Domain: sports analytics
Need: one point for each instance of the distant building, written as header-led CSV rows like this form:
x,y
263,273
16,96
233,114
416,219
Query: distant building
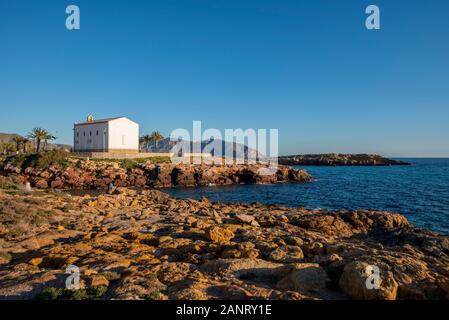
x,y
115,135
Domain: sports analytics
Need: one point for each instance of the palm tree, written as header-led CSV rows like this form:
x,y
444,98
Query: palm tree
x,y
156,136
38,134
48,137
25,143
145,140
7,148
21,143
18,140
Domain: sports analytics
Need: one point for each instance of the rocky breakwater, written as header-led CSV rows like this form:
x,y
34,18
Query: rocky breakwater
x,y
85,174
148,245
334,159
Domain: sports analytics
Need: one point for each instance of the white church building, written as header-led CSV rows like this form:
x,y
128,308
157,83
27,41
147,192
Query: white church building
x,y
115,135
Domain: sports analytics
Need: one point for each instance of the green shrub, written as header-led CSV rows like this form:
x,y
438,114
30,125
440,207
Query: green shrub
x,y
40,160
111,275
128,164
8,183
156,295
97,292
5,257
80,294
49,294
67,294
158,159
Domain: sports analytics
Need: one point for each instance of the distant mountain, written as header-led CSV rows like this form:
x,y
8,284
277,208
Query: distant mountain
x,y
227,148
8,138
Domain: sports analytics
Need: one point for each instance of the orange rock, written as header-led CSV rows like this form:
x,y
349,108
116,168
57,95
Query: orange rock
x,y
92,203
217,234
98,280
36,261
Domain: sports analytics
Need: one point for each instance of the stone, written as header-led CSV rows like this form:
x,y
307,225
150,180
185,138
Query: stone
x,y
313,248
354,283
56,184
286,254
245,218
41,183
98,280
326,259
308,279
36,261
219,235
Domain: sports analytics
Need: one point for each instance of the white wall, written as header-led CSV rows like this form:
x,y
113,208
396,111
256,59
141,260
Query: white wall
x,y
123,134
86,137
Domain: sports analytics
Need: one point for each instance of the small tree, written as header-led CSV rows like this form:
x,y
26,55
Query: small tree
x,y
25,144
18,141
48,137
145,140
7,148
156,136
39,134
21,143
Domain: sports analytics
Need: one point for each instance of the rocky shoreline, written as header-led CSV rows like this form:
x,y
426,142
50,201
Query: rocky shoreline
x,y
85,174
339,160
148,245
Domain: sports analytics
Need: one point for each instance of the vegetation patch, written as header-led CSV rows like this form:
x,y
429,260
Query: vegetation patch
x,y
128,163
111,276
40,160
52,293
5,257
156,295
9,183
158,159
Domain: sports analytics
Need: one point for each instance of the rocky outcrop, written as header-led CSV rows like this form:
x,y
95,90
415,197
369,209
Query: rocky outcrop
x,y
355,281
334,159
84,174
147,245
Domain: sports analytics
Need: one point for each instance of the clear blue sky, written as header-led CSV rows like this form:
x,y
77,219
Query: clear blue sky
x,y
308,68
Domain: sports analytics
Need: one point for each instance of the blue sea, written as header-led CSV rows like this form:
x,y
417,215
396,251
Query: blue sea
x,y
419,191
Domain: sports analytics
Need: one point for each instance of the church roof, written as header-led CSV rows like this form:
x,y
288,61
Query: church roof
x,y
100,121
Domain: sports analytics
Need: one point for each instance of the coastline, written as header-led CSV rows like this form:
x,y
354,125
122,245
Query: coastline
x,y
148,245
75,174
335,159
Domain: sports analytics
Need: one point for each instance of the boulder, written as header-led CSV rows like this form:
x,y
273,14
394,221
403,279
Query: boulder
x,y
308,279
354,282
41,183
219,235
246,268
286,254
98,280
